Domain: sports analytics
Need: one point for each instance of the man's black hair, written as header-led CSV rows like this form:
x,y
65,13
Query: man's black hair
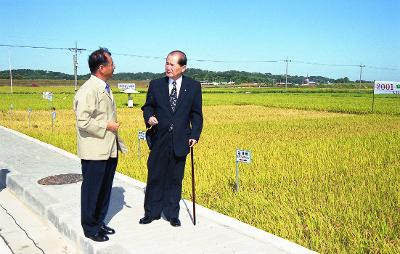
x,y
98,58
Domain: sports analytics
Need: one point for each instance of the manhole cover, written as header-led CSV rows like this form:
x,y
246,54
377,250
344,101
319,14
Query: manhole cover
x,y
60,179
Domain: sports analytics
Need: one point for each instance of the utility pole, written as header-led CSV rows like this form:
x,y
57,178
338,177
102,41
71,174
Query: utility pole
x,y
75,63
75,57
11,81
287,63
361,66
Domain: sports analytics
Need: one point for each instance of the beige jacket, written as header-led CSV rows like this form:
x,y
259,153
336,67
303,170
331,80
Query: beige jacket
x,y
94,108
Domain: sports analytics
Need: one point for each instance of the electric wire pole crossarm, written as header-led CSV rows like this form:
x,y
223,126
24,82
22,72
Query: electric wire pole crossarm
x,y
75,64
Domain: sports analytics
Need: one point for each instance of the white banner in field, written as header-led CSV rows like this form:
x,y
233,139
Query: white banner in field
x,y
243,156
386,87
48,96
124,86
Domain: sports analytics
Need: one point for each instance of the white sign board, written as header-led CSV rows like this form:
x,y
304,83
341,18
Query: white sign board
x,y
386,87
124,86
243,156
48,96
141,135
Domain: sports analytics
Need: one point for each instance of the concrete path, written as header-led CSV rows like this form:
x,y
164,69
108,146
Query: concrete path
x,y
4,249
24,161
25,232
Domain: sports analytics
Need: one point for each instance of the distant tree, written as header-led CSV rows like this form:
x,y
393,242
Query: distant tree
x,y
201,75
342,80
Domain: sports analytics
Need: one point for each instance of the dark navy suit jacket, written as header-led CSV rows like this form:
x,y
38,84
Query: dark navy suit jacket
x,y
187,119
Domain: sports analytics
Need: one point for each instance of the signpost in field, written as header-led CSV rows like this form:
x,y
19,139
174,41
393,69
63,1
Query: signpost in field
x,y
243,156
53,118
141,136
48,96
29,117
129,89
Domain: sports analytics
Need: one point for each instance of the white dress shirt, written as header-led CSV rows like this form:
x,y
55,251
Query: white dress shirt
x,y
178,85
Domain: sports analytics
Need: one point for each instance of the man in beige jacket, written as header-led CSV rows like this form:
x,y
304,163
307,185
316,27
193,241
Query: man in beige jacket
x,y
98,144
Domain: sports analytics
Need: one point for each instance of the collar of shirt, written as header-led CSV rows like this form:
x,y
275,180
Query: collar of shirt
x,y
104,84
178,85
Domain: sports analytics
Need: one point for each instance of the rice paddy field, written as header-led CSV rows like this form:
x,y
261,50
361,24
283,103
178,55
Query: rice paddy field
x,y
325,171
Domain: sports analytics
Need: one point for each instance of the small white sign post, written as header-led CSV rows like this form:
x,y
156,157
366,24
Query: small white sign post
x,y
129,89
48,96
129,92
243,156
53,118
29,117
141,136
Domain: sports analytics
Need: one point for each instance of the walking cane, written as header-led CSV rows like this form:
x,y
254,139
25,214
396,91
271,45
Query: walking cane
x,y
193,189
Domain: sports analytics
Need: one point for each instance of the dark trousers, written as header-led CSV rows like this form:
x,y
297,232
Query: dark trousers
x,y
98,176
164,180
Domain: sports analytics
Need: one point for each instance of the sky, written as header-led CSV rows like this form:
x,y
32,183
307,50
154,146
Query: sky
x,y
317,37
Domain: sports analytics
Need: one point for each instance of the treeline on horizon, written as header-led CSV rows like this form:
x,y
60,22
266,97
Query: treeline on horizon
x,y
198,74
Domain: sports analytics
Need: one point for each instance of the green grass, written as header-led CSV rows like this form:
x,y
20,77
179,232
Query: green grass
x,y
359,102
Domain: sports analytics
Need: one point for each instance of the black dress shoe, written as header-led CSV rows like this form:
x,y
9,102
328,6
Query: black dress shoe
x,y
147,219
107,230
175,222
99,237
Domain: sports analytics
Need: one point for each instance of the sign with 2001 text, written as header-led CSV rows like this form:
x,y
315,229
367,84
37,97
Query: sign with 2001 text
x,y
386,87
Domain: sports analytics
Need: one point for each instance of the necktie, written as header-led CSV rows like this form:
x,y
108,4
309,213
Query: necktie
x,y
107,88
173,96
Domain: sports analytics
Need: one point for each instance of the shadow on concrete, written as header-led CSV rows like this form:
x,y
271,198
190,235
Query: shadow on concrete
x,y
188,211
3,178
117,202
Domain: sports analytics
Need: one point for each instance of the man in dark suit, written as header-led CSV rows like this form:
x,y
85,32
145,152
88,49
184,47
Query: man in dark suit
x,y
173,108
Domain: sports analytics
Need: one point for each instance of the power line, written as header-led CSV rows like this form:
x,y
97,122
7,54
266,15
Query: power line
x,y
207,60
137,56
36,47
326,64
383,68
201,60
348,65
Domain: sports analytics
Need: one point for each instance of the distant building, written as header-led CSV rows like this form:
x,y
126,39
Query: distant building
x,y
308,82
206,82
283,83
